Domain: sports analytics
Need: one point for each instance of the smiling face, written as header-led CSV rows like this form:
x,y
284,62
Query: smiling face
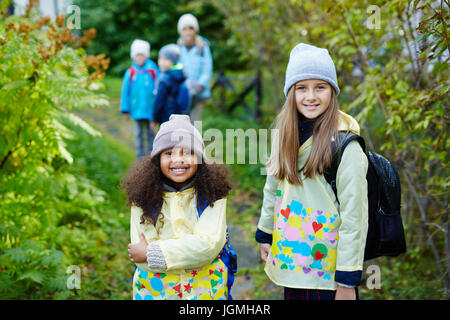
x,y
178,164
312,97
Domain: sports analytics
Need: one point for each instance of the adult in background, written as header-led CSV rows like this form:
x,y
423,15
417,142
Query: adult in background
x,y
195,56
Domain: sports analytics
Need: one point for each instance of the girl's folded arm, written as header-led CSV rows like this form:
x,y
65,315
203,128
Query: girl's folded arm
x,y
193,250
136,229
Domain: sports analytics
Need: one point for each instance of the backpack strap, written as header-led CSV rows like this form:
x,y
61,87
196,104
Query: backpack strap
x,y
201,208
134,71
152,73
339,144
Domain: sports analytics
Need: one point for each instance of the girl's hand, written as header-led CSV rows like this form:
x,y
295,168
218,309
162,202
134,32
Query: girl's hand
x,y
138,251
344,293
264,249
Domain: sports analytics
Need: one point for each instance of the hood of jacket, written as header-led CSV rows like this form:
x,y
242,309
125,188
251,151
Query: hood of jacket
x,y
175,75
347,122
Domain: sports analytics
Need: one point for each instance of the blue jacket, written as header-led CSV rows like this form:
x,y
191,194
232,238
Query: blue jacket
x,y
172,96
138,94
198,65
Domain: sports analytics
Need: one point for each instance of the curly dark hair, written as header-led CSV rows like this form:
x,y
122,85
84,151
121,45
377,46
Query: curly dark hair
x,y
143,186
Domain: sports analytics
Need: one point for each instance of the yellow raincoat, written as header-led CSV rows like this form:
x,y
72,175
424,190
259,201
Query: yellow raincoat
x,y
190,246
314,235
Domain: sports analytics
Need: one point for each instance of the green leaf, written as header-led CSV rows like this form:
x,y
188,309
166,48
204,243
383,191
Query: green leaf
x,y
33,275
83,124
14,85
53,258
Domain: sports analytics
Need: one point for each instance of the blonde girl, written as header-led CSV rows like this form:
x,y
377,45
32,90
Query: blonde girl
x,y
312,244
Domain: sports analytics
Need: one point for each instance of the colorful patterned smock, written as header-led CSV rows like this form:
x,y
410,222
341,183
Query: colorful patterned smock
x,y
190,246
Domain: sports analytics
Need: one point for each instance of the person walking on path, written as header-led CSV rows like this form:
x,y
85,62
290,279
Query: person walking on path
x,y
137,95
173,94
176,250
197,61
312,244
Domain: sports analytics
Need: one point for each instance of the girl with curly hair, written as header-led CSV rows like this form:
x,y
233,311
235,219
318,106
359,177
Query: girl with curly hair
x,y
176,252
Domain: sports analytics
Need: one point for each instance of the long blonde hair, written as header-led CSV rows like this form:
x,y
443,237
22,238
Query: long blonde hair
x,y
283,161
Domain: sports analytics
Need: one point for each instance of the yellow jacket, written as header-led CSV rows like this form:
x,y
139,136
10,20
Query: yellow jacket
x,y
189,245
314,235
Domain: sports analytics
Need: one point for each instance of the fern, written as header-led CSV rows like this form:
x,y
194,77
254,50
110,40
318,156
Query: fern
x,y
50,218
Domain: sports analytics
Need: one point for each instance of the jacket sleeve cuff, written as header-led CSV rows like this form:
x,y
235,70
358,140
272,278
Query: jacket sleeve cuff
x,y
263,237
344,285
155,257
349,279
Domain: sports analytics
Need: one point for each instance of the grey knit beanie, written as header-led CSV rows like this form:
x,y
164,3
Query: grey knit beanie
x,y
179,132
171,52
310,62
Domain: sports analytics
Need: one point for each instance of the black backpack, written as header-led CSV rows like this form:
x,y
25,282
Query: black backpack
x,y
385,235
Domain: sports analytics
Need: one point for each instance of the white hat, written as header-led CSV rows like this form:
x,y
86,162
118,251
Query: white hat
x,y
140,47
188,20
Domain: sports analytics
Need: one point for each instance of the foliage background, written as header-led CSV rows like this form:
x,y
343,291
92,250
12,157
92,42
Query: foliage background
x,y
119,22
59,201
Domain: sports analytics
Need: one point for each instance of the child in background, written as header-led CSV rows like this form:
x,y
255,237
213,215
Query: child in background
x,y
173,94
313,245
175,250
138,95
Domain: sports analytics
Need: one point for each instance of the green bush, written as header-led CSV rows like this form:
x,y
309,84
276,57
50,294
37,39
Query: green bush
x,y
56,210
